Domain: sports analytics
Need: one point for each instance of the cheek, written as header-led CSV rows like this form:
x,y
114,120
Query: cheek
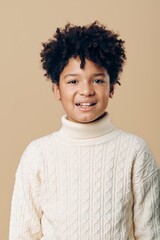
x,y
67,95
104,94
69,92
105,98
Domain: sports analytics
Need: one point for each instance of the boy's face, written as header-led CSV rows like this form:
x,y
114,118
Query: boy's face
x,y
84,93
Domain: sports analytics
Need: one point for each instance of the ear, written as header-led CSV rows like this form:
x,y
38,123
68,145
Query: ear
x,y
112,87
56,91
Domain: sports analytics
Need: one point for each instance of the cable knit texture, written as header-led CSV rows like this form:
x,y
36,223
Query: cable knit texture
x,y
86,182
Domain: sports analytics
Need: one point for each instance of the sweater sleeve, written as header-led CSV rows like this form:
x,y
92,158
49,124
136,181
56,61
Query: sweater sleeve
x,y
25,220
146,190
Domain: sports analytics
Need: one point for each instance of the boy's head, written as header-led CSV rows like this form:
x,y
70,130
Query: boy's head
x,y
84,64
93,42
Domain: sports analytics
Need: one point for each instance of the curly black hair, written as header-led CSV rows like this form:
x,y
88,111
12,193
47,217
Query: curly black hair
x,y
93,42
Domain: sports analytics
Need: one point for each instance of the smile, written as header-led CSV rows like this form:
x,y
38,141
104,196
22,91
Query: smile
x,y
85,104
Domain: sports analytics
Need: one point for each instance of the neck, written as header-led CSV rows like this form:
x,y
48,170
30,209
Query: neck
x,y
97,128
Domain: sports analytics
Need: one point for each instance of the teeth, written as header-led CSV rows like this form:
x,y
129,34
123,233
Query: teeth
x,y
85,104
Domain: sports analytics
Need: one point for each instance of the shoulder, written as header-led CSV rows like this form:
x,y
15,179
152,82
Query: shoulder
x,y
139,147
36,144
137,143
33,155
144,163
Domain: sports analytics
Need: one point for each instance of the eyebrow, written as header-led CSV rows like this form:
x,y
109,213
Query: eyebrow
x,y
99,74
71,75
93,75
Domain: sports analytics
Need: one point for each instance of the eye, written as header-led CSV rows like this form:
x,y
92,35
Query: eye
x,y
72,82
99,81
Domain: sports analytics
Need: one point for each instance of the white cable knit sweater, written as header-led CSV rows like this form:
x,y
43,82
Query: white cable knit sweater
x,y
86,182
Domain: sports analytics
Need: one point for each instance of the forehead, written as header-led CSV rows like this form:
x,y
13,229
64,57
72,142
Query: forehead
x,y
73,67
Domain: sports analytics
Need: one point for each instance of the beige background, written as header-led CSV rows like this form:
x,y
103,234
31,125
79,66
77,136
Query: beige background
x,y
27,106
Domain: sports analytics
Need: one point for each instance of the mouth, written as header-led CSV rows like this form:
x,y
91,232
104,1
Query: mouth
x,y
85,104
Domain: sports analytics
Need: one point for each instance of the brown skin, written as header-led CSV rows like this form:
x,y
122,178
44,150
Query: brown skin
x,y
84,93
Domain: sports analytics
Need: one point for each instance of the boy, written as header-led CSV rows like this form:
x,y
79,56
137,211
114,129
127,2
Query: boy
x,y
89,180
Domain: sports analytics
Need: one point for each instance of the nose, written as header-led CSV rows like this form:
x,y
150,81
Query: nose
x,y
86,90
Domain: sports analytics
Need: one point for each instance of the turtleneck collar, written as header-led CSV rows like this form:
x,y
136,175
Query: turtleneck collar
x,y
94,129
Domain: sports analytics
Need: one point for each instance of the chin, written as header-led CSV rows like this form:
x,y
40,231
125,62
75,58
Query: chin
x,y
81,120
86,119
89,120
95,118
